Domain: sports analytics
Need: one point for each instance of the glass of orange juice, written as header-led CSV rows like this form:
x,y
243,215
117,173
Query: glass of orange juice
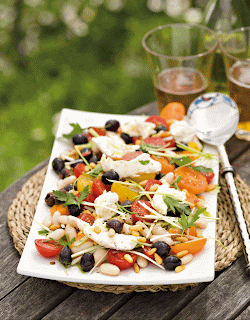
x,y
180,57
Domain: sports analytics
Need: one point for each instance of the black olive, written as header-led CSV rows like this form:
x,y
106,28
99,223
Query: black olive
x,y
111,175
112,125
159,176
58,164
74,210
160,127
87,261
50,199
68,188
162,247
126,137
79,138
171,262
65,256
93,159
127,205
75,163
115,224
86,153
64,173
179,148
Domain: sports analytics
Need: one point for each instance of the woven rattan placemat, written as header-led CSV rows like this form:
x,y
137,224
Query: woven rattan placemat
x,y
22,210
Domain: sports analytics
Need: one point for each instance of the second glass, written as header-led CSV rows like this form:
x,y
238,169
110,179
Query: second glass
x,y
180,57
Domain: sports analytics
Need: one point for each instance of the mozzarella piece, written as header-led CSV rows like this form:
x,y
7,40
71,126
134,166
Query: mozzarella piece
x,y
113,146
119,241
137,128
182,131
133,167
158,202
107,199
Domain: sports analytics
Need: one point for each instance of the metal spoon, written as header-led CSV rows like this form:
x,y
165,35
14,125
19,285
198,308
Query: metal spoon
x,y
215,117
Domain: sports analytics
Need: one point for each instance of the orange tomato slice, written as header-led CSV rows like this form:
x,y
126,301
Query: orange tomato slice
x,y
59,207
123,191
165,166
192,246
173,111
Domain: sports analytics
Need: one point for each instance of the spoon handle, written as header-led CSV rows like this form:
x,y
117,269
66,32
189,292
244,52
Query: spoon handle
x,y
227,171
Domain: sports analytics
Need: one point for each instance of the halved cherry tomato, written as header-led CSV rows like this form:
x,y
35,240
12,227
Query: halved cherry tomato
x,y
100,131
87,217
209,176
117,258
191,180
192,246
170,143
48,248
90,197
155,141
131,155
79,169
192,198
134,139
139,211
146,249
173,111
150,183
165,166
98,187
157,120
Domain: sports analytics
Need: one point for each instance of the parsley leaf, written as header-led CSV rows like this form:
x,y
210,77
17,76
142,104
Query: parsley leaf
x,y
144,162
187,221
70,198
64,241
174,204
202,169
184,161
96,171
175,183
76,129
148,147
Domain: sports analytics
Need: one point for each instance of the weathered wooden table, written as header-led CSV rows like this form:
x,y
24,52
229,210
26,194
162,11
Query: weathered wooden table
x,y
21,297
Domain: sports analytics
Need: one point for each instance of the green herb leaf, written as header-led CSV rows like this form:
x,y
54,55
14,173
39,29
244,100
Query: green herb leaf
x,y
96,171
174,204
64,241
187,221
202,169
70,198
44,232
148,147
184,161
144,162
76,129
175,183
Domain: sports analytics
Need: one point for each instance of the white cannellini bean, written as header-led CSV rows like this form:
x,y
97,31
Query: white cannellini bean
x,y
63,219
125,229
70,231
169,178
73,221
157,229
128,218
142,262
57,234
55,217
109,269
66,182
100,254
168,240
47,221
83,246
201,223
187,258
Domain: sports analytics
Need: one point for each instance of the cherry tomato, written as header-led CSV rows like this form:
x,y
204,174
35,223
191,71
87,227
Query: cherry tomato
x,y
157,120
98,187
150,183
170,143
173,110
209,176
131,155
155,141
191,180
79,169
145,250
134,139
101,132
139,211
87,217
48,248
117,258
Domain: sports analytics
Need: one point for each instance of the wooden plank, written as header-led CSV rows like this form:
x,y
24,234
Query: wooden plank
x,y
159,305
242,166
33,299
224,298
244,315
88,305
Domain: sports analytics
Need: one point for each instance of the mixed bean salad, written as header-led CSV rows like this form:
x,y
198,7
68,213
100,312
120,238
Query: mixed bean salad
x,y
129,195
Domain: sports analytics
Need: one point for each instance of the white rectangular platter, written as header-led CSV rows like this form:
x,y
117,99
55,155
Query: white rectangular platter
x,y
200,269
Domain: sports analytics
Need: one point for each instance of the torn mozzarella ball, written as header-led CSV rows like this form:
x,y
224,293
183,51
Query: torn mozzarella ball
x,y
137,128
182,131
107,199
141,164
